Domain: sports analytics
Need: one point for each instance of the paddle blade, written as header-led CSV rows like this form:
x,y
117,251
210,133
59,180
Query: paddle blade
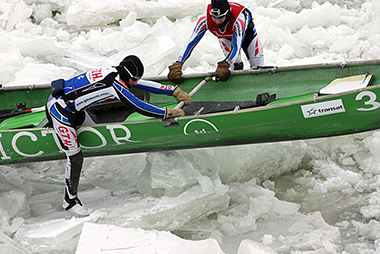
x,y
341,85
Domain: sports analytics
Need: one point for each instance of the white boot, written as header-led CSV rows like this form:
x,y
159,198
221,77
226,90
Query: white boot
x,y
76,207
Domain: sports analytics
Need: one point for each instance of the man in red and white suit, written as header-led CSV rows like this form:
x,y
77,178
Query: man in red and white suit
x,y
233,24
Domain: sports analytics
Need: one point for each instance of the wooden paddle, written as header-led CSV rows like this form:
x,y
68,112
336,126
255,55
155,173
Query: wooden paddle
x,y
171,121
195,90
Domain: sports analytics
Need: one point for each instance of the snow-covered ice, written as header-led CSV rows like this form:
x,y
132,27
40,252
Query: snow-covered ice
x,y
308,196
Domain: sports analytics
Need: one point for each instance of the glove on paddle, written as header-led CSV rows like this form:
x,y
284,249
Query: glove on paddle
x,y
175,73
174,112
223,71
180,95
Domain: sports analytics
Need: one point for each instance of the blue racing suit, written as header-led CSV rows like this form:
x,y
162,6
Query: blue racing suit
x,y
67,111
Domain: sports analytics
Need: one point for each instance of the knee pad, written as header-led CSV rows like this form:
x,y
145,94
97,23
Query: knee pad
x,y
238,66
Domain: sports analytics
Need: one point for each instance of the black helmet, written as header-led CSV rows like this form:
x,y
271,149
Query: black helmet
x,y
130,68
219,9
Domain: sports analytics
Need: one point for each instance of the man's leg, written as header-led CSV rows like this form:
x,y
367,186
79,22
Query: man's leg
x,y
226,45
69,141
72,175
255,53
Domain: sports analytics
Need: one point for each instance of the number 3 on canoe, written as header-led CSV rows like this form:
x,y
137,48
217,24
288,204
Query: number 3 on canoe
x,y
372,100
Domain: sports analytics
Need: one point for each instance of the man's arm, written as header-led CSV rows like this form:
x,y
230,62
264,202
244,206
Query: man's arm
x,y
131,101
198,32
155,87
175,70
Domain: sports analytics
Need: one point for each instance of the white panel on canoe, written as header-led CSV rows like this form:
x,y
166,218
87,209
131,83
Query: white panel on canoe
x,y
340,85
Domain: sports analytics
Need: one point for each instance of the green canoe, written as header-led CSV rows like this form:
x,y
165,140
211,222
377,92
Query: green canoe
x,y
254,106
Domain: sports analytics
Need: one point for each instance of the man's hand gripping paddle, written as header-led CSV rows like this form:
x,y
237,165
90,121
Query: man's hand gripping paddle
x,y
171,121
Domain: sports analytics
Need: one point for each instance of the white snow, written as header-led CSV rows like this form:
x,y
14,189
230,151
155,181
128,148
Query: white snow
x,y
308,196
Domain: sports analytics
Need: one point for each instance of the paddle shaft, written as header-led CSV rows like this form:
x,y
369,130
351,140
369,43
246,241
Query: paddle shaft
x,y
194,91
16,113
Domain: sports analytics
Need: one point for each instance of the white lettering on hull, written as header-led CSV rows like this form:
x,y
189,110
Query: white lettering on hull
x,y
44,133
32,137
117,140
4,155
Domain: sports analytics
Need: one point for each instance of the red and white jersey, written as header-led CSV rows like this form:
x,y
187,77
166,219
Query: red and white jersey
x,y
236,24
234,31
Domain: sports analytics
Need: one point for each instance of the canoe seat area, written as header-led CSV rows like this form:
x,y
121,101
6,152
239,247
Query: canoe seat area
x,y
109,112
206,107
115,111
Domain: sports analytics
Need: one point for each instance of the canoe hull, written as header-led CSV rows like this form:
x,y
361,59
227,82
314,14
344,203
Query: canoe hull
x,y
324,116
